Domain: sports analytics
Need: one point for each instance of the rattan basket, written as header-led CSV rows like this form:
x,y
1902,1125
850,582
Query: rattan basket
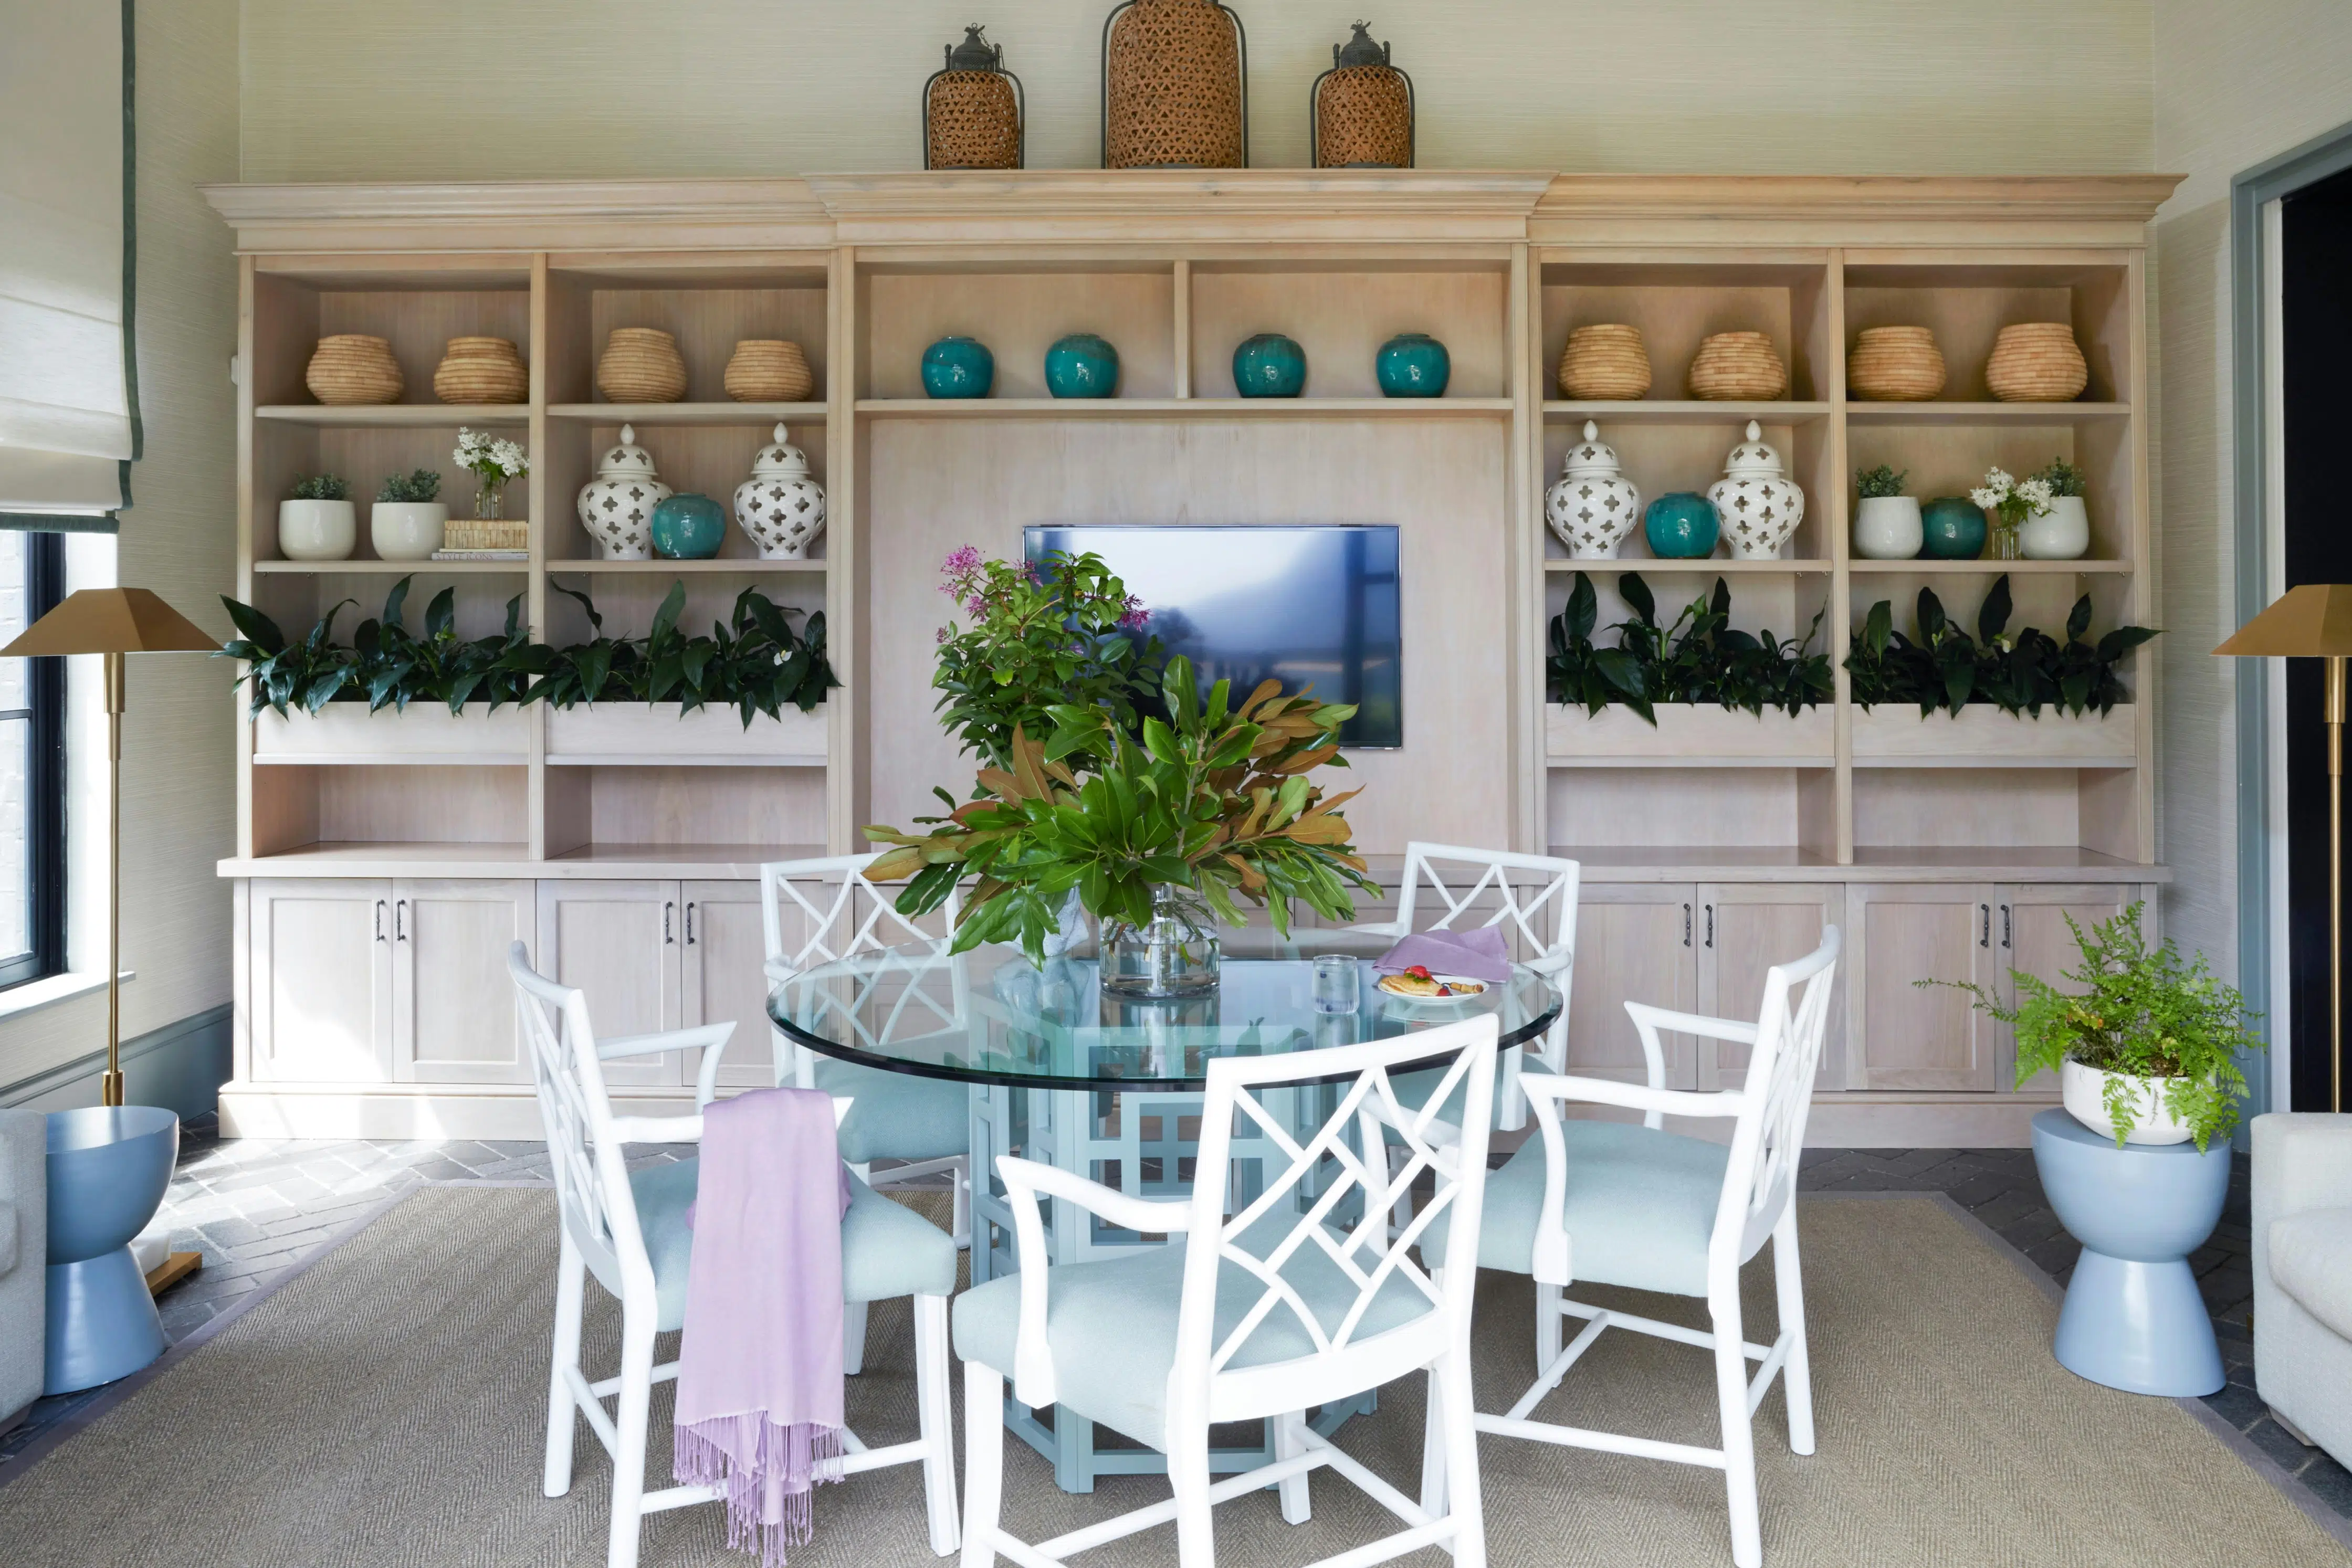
x,y
1737,365
641,364
767,369
971,120
1363,118
1895,364
354,368
1604,363
481,370
1172,87
2036,361
476,533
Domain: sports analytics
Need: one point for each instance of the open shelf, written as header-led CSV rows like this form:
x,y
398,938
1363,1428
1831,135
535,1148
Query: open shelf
x,y
659,413
691,568
391,568
1984,412
1653,565
397,415
1673,410
2086,567
1188,408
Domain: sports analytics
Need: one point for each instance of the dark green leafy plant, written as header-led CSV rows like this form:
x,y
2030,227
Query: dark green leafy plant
x,y
1948,669
424,484
753,662
1700,658
2062,477
2138,1013
1879,482
1215,798
305,674
319,487
386,664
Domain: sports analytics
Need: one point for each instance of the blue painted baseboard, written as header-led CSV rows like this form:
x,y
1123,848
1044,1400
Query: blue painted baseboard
x,y
180,1067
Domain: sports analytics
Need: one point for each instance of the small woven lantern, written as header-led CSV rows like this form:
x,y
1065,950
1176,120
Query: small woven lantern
x,y
1360,111
1175,86
973,110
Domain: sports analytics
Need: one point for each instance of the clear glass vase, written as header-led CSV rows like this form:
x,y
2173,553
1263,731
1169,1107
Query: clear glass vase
x,y
1174,956
487,496
2004,543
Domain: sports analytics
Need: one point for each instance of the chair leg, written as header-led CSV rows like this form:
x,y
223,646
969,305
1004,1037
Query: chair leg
x,y
1510,1102
937,1425
1458,1417
1738,1438
1297,1509
629,1427
1188,1478
1797,1371
1432,1447
562,1410
960,1220
1548,1337
983,1462
853,1338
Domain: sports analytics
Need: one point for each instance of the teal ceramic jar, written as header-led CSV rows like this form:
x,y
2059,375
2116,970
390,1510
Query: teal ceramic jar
x,y
1082,365
1413,364
959,367
689,527
1270,365
1681,527
1955,528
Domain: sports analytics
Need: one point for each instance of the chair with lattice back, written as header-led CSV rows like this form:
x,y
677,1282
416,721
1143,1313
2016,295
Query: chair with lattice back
x,y
1263,1313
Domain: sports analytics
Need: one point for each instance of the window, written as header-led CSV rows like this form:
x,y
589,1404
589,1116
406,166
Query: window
x,y
32,766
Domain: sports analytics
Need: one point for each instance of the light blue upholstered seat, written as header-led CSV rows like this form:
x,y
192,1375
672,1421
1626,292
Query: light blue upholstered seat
x,y
887,1248
896,1115
1640,1207
1112,1323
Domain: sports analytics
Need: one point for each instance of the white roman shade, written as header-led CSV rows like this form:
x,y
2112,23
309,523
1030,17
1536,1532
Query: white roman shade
x,y
69,402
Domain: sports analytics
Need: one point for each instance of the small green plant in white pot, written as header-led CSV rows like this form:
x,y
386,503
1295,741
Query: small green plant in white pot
x,y
315,522
2145,1051
2063,532
1886,521
406,522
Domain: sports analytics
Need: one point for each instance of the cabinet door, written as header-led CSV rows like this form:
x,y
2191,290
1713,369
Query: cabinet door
x,y
723,978
618,941
2029,934
1635,942
321,981
453,1003
1745,928
1909,1036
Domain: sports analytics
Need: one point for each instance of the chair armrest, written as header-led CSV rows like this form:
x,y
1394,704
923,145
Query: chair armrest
x,y
1648,1020
655,1129
711,1038
1033,1356
1546,1089
1550,963
1381,929
777,972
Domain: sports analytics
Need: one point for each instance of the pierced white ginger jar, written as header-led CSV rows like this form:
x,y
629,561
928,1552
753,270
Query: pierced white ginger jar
x,y
1759,504
616,506
780,507
1594,506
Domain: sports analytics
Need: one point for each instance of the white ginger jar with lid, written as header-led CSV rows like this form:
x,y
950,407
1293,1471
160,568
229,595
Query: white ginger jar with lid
x,y
780,507
616,506
1759,504
1594,506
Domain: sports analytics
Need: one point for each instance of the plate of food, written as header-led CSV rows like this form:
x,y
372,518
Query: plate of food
x,y
1419,987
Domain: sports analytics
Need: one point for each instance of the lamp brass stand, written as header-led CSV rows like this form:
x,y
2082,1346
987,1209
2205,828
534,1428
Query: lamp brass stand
x,y
113,621
2314,622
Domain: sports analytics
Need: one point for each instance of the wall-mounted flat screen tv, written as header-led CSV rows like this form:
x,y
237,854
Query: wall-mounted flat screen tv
x,y
1310,606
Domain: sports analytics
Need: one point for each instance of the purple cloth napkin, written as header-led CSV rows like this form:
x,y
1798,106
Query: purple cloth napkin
x,y
759,1373
1474,955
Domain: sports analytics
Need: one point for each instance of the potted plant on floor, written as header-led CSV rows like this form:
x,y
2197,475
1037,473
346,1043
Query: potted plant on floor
x,y
2146,1049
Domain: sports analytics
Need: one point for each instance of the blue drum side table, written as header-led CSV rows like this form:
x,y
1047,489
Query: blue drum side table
x,y
108,1168
2133,1318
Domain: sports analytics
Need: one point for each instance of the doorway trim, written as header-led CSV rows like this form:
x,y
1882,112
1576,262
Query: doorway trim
x,y
2257,483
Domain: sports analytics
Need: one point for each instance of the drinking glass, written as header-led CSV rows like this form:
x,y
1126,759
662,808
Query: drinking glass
x,y
1335,983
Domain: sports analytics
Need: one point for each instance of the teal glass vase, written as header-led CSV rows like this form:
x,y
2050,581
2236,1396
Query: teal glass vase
x,y
689,527
1413,364
1082,365
1270,365
1955,528
1681,527
958,367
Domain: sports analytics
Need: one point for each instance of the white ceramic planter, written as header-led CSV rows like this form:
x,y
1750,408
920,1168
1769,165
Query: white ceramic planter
x,y
317,530
655,734
1984,736
427,732
1688,733
2062,533
1887,527
2085,1089
406,530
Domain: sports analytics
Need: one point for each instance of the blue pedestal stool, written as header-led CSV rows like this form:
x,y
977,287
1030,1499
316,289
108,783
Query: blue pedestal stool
x,y
2133,1318
108,1168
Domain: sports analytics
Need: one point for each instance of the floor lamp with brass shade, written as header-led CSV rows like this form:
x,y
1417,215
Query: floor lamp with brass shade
x,y
2314,622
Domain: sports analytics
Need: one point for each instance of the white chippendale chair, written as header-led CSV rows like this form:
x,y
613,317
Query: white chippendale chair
x,y
628,1228
1621,1203
1267,1313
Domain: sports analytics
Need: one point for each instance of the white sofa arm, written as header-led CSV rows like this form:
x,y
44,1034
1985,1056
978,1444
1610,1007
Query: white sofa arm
x,y
23,1248
2301,1161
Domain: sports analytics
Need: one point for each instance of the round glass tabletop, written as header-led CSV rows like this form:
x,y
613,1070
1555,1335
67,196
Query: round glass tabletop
x,y
990,1016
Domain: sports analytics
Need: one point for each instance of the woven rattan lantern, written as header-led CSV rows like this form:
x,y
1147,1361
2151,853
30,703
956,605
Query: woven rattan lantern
x,y
1175,86
1360,111
973,110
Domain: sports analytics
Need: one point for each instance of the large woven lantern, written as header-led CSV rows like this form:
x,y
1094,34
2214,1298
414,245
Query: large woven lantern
x,y
1175,86
1360,111
973,110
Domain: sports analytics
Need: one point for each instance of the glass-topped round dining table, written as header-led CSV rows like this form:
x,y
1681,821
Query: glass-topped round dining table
x,y
1061,1072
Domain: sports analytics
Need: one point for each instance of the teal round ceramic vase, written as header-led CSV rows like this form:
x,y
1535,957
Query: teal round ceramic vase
x,y
1270,365
1082,365
689,527
1413,364
1955,528
1681,527
958,367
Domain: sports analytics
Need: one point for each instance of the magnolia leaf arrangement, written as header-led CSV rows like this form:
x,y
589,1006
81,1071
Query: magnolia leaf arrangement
x,y
2137,1013
1700,658
1948,669
1216,798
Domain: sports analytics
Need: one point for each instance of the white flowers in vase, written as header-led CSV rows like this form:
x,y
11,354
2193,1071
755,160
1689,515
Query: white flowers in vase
x,y
2010,500
494,460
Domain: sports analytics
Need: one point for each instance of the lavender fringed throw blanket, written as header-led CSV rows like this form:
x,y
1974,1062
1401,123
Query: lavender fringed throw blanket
x,y
759,1376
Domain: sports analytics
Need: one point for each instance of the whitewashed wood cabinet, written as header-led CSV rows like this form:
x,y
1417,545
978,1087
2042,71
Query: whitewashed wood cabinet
x,y
723,978
620,942
321,1006
453,1008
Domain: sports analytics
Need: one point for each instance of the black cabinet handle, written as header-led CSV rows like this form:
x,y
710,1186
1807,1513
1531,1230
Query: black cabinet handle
x,y
690,923
1710,926
379,919
1984,938
1686,926
2004,926
667,910
400,920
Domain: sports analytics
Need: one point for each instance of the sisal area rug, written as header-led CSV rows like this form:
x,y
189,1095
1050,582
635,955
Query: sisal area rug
x,y
385,1410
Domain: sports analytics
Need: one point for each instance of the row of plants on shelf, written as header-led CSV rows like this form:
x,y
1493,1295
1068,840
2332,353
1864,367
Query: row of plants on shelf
x,y
1699,658
753,662
1948,669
